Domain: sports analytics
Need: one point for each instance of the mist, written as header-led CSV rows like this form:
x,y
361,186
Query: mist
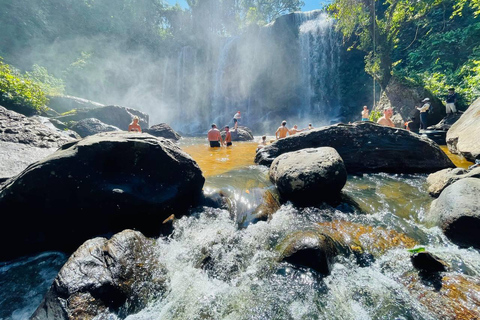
x,y
200,73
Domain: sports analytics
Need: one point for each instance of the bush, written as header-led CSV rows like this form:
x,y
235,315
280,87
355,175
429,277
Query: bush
x,y
19,92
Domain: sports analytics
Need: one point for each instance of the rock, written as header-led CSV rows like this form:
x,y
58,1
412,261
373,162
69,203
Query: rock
x,y
91,126
309,175
308,249
427,262
438,181
117,116
463,136
64,103
17,128
25,140
101,184
457,212
403,97
120,275
163,130
241,134
446,123
366,147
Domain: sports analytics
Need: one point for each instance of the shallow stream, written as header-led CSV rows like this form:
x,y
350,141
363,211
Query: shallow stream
x,y
244,279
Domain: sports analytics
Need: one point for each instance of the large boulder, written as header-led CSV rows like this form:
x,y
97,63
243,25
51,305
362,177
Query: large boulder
x,y
98,185
309,175
64,103
366,147
163,130
91,126
463,136
403,97
241,134
117,116
438,181
457,212
24,140
119,275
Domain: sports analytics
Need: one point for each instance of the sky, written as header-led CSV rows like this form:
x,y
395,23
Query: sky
x,y
309,4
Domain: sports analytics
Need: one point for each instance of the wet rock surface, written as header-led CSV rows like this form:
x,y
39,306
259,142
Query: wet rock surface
x,y
98,185
366,147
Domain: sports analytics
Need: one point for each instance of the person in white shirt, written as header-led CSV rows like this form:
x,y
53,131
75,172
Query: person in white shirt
x,y
424,113
236,117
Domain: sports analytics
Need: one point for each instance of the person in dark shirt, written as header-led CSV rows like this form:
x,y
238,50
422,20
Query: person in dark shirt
x,y
450,102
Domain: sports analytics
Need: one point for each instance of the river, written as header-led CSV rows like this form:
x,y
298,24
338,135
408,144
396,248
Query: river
x,y
244,280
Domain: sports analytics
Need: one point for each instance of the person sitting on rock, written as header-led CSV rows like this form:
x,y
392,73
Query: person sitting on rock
x,y
282,130
262,142
295,130
385,120
134,126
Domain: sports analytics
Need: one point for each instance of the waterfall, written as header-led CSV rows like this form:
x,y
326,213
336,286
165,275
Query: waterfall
x,y
320,60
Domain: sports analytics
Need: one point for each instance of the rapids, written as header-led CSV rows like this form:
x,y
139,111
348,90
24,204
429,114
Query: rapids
x,y
242,279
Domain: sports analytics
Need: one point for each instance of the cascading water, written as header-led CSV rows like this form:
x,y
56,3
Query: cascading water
x,y
288,69
320,56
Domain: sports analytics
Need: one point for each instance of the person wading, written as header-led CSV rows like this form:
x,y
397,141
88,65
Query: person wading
x,y
214,137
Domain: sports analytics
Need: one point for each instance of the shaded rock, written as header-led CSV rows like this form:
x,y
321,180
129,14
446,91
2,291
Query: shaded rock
x,y
91,126
25,140
163,130
446,123
457,212
427,262
308,249
101,184
117,116
463,136
403,97
64,103
120,275
438,181
309,175
366,147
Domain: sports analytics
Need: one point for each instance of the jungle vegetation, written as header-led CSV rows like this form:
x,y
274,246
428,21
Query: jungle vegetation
x,y
431,42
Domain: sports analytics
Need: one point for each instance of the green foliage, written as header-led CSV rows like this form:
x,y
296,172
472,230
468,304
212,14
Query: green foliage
x,y
18,90
48,83
416,250
375,115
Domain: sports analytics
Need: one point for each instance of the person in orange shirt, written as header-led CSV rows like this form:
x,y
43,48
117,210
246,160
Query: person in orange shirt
x,y
134,126
214,137
228,136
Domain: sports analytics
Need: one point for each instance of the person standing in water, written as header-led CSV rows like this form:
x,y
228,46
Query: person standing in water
x,y
134,126
236,117
228,136
365,113
214,137
282,130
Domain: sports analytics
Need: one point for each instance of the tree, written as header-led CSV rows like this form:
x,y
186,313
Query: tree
x,y
374,26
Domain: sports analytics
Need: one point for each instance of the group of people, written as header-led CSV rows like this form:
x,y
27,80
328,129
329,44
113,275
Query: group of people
x,y
424,109
283,130
215,137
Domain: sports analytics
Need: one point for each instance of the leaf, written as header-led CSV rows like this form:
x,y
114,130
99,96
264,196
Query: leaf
x,y
416,250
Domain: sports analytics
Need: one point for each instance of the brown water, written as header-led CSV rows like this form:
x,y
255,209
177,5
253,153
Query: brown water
x,y
457,160
216,161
